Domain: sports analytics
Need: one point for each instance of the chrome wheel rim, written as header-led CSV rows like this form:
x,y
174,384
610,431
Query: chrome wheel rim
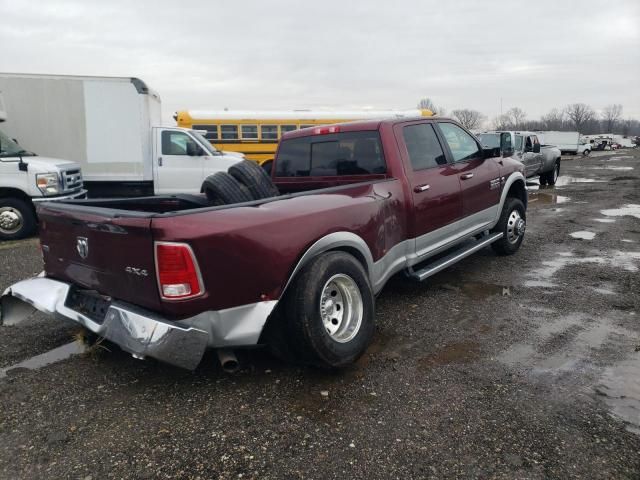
x,y
515,226
10,220
341,308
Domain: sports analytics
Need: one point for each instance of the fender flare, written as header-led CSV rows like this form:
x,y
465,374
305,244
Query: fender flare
x,y
334,241
511,179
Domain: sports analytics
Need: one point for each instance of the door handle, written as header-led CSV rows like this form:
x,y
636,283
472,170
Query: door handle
x,y
159,161
421,188
466,176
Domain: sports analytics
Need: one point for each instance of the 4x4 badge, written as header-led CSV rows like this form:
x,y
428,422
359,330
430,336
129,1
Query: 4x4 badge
x,y
82,246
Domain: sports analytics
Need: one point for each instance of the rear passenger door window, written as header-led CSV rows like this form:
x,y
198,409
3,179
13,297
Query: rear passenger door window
x,y
423,146
463,146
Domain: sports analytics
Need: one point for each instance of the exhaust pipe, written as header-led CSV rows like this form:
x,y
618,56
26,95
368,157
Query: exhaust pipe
x,y
228,360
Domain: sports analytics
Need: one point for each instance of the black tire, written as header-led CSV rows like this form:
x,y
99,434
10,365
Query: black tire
x,y
17,219
307,338
507,245
552,176
254,177
222,189
586,153
543,179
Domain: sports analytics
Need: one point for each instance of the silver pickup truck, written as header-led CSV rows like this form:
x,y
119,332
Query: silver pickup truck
x,y
542,160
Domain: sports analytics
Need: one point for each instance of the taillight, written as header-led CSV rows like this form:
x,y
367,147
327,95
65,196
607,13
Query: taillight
x,y
177,271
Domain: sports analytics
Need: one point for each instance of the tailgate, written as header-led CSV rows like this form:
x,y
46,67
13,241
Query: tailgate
x,y
95,249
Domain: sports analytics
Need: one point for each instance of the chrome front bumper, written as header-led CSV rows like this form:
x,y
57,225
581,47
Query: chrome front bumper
x,y
136,331
71,196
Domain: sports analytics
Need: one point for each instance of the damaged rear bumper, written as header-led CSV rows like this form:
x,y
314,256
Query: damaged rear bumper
x,y
137,331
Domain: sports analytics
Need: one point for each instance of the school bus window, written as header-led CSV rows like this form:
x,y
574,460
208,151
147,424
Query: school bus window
x,y
212,131
229,132
269,132
286,128
249,132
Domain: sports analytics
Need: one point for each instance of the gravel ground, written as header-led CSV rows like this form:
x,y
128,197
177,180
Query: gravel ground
x,y
518,367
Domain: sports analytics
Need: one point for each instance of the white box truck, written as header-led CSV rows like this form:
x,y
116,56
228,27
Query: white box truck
x,y
25,179
111,127
568,142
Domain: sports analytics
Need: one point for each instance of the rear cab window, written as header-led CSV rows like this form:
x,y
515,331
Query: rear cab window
x,y
331,155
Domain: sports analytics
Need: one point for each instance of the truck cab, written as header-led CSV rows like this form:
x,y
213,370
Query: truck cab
x,y
183,159
538,160
26,179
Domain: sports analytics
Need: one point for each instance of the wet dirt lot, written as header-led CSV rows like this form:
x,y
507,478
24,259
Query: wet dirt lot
x,y
518,367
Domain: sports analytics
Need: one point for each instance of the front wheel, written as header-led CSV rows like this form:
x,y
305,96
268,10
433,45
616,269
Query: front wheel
x,y
17,219
512,224
329,312
586,153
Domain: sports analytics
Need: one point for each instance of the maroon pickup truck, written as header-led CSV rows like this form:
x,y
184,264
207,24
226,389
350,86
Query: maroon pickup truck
x,y
348,206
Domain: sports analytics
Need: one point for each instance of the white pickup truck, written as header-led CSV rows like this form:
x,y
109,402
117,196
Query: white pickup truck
x,y
26,178
538,160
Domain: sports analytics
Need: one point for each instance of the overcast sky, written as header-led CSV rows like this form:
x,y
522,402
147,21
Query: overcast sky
x,y
276,54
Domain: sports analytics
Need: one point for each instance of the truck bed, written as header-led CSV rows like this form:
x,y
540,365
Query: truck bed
x,y
263,237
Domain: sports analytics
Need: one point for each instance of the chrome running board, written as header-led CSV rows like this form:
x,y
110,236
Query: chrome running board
x,y
463,251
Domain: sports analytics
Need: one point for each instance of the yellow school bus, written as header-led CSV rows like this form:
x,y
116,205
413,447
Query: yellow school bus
x,y
256,133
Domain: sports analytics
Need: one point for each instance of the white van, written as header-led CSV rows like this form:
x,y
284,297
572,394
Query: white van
x,y
568,142
110,126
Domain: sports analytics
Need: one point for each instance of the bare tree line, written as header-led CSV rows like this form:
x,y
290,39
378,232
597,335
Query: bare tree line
x,y
573,117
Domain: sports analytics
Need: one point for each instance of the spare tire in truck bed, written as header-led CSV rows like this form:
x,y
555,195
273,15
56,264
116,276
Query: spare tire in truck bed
x,y
254,177
222,189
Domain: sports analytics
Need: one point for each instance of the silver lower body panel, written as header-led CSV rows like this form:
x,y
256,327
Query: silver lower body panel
x,y
138,331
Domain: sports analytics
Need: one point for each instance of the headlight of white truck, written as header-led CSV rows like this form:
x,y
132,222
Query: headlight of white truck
x,y
48,183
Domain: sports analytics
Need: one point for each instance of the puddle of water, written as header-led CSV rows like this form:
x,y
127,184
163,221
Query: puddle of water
x,y
565,344
547,198
603,291
619,157
539,284
620,388
462,352
564,180
626,240
626,260
611,167
605,220
542,276
47,358
583,235
631,210
478,290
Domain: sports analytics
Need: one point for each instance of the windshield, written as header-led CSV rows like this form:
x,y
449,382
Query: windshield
x,y
204,142
9,148
489,140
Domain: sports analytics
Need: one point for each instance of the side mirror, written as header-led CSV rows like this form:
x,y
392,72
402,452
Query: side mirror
x,y
490,152
536,148
193,150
